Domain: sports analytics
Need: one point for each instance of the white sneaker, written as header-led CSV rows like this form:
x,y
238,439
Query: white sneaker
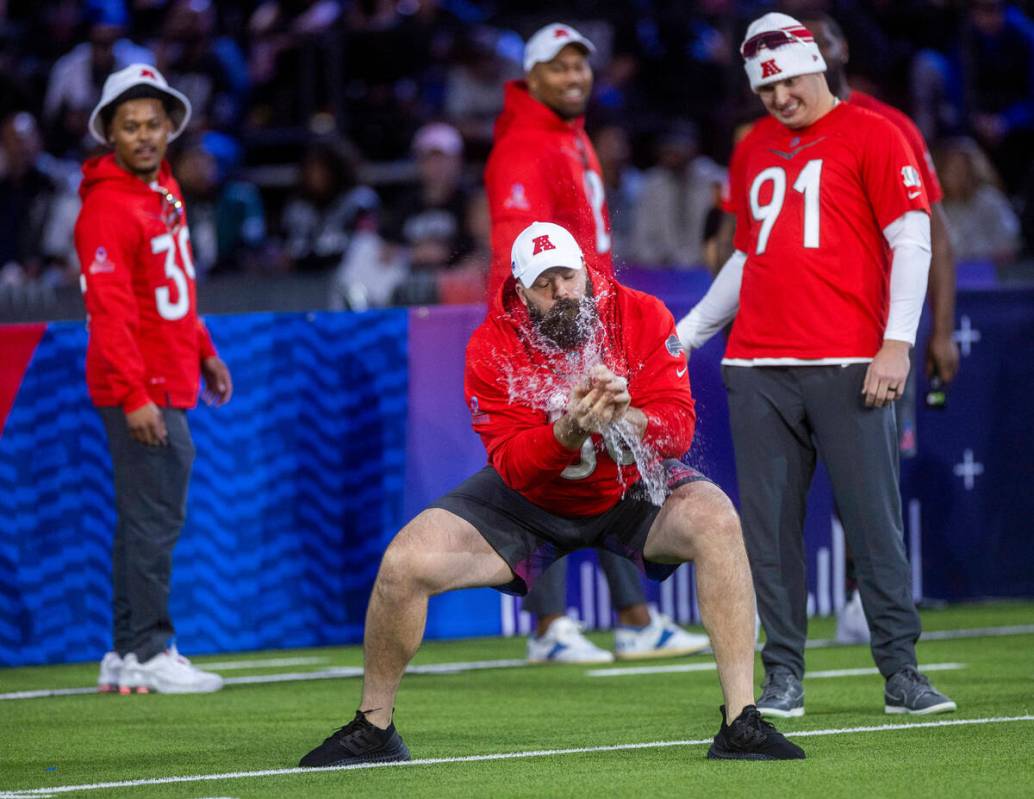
x,y
563,642
661,638
167,672
111,671
852,628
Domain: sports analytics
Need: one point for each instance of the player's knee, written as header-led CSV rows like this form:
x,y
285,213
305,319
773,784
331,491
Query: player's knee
x,y
400,567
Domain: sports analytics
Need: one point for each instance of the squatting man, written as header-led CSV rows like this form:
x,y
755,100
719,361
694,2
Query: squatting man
x,y
577,387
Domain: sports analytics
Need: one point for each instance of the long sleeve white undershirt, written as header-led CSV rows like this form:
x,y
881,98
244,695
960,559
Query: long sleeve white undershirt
x,y
909,240
717,308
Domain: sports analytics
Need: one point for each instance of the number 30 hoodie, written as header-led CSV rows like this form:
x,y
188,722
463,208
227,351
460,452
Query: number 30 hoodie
x,y
146,342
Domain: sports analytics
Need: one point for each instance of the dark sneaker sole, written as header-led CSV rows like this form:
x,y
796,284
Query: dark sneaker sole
x,y
714,753
940,707
779,713
399,755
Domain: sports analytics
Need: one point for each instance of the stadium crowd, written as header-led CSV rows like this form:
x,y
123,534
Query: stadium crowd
x,y
348,139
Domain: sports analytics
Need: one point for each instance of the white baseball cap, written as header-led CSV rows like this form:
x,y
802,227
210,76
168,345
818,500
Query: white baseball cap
x,y
118,83
546,42
777,47
541,246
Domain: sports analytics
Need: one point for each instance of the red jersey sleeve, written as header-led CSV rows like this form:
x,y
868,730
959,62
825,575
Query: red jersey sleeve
x,y
890,172
927,170
206,349
105,249
660,386
518,195
519,440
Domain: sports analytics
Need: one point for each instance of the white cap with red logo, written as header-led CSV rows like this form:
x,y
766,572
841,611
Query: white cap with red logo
x,y
118,83
541,246
546,42
777,47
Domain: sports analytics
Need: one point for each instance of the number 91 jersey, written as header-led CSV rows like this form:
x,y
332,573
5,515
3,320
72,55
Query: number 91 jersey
x,y
137,274
811,205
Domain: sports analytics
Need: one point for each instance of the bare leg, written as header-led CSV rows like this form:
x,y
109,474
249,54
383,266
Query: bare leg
x,y
699,523
434,553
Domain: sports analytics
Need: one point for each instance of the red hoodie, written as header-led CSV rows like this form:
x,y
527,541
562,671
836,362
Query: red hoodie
x,y
543,168
146,341
515,389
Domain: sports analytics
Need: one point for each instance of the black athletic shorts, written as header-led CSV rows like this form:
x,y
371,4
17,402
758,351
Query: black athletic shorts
x,y
530,538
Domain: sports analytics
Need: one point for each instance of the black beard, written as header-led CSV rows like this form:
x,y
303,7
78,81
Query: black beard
x,y
569,323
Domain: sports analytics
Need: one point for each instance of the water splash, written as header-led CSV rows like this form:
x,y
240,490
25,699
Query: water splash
x,y
547,387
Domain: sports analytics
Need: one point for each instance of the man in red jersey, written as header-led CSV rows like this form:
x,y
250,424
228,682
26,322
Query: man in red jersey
x,y
577,387
146,351
942,354
543,166
826,284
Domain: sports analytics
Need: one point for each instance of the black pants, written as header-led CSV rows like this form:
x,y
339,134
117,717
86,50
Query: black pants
x,y
549,595
151,503
782,418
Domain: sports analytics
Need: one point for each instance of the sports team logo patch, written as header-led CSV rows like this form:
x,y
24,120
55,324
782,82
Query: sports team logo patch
x,y
674,346
100,262
910,177
518,200
769,68
477,416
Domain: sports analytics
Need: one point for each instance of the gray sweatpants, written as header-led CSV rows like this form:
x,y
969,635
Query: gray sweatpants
x,y
782,417
548,596
151,503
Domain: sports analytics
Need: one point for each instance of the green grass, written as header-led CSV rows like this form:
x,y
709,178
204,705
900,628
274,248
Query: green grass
x,y
66,741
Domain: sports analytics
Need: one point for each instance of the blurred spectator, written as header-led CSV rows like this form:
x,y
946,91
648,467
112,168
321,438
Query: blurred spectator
x,y
429,217
984,86
676,198
327,208
209,69
282,34
37,207
984,227
622,185
368,274
75,81
227,221
467,282
482,62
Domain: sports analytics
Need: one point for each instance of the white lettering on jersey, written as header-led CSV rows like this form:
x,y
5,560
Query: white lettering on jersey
x,y
167,309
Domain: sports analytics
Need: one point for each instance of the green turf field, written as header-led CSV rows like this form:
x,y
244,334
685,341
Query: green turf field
x,y
61,745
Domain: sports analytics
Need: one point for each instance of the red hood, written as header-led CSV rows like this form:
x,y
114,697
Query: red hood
x,y
522,110
104,172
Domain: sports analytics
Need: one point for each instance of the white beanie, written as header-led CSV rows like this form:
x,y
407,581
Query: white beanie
x,y
777,47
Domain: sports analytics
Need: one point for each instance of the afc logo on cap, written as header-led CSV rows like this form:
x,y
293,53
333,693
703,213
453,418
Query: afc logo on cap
x,y
542,243
769,68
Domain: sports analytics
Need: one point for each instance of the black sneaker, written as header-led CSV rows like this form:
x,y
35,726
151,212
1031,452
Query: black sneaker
x,y
909,691
358,742
750,737
782,695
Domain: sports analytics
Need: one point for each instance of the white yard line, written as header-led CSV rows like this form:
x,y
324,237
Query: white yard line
x,y
267,663
633,671
437,761
456,668
336,673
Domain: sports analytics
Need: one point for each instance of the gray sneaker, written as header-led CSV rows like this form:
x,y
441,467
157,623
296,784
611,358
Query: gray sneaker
x,y
782,695
908,691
